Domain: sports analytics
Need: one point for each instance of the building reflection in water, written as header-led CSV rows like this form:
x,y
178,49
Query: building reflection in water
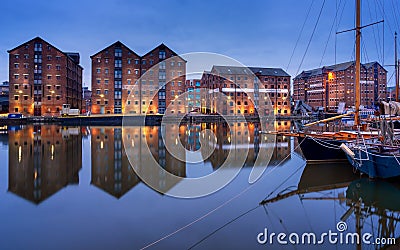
x,y
111,170
3,135
43,160
242,137
146,147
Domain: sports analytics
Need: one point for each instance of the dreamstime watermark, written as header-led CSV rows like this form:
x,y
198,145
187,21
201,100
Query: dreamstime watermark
x,y
339,236
162,90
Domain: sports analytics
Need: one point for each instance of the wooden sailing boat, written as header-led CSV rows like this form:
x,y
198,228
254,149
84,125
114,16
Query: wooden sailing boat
x,y
379,157
326,146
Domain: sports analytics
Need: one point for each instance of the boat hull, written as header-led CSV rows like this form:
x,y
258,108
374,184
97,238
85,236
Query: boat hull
x,y
317,150
375,165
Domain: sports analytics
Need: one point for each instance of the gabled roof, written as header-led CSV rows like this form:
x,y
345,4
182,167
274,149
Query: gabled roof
x,y
241,70
231,70
163,46
116,43
269,71
334,68
71,55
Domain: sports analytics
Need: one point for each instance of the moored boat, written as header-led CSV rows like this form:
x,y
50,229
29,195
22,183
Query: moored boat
x,y
374,159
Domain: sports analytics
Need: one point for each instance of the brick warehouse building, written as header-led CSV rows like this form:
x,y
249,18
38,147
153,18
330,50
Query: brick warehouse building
x,y
193,88
116,69
43,78
246,93
330,85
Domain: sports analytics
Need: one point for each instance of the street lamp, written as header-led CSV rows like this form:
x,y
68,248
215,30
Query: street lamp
x,y
20,92
52,97
102,110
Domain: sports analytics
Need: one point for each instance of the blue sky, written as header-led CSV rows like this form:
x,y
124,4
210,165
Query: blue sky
x,y
256,33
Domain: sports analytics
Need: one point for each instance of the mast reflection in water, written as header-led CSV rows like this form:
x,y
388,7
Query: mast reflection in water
x,y
80,182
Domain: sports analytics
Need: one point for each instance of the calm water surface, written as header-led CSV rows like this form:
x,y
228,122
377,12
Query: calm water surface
x,y
74,188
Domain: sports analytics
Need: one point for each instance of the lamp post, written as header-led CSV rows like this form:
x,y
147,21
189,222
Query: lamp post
x,y
52,98
20,92
102,108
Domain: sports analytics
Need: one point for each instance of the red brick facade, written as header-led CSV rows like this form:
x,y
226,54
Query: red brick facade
x,y
138,77
43,78
328,86
245,95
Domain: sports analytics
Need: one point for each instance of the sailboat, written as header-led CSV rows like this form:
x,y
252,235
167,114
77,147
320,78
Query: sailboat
x,y
326,146
379,157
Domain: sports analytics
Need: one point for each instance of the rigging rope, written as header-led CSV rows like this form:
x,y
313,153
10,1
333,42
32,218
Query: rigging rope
x,y
312,35
301,32
221,227
330,33
327,144
220,206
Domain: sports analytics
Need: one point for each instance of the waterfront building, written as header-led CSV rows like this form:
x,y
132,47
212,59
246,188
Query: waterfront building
x,y
326,87
4,88
193,88
43,78
247,89
4,97
116,71
87,99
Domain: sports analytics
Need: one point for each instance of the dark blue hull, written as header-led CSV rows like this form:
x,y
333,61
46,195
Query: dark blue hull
x,y
321,149
375,165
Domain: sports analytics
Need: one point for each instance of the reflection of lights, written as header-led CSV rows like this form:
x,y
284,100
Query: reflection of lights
x,y
229,139
19,154
265,138
35,174
133,143
176,141
101,144
248,138
52,152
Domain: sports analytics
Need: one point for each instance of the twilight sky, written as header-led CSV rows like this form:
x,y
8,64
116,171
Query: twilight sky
x,y
256,33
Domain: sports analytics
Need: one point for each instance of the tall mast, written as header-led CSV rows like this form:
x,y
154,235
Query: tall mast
x,y
358,63
396,65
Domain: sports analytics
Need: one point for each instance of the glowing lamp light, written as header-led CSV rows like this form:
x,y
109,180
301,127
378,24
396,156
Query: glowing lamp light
x,y
330,76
